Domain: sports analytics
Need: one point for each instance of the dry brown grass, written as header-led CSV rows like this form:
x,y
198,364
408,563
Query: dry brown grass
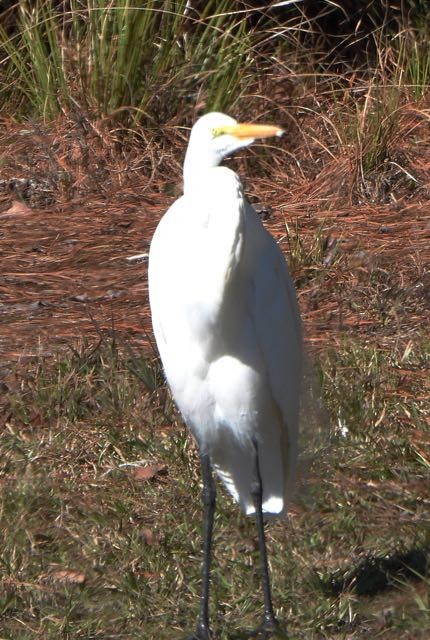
x,y
64,266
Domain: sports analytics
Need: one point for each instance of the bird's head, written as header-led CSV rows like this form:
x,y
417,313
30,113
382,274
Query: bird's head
x,y
221,135
215,136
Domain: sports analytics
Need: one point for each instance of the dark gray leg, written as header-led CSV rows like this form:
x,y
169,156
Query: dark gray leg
x,y
270,624
209,501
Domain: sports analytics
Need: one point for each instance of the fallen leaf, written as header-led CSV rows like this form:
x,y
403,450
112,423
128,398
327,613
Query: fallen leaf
x,y
17,208
166,428
67,576
148,575
148,536
149,472
36,418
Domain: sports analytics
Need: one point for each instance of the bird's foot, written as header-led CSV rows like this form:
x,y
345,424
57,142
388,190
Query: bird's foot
x,y
201,633
269,628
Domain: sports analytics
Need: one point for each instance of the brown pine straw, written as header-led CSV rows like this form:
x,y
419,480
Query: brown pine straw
x,y
64,273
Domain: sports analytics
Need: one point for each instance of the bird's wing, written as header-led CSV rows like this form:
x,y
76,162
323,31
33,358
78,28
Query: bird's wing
x,y
278,332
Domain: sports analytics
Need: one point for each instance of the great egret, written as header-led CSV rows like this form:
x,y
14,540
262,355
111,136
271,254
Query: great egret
x,y
227,326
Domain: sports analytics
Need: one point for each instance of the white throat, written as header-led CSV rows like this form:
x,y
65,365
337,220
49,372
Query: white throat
x,y
199,159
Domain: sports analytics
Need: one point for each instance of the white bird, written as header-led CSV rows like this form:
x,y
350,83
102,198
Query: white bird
x,y
227,326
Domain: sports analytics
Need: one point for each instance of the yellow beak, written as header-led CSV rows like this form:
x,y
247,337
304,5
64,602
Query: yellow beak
x,y
249,130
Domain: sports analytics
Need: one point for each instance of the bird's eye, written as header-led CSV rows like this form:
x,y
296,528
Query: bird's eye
x,y
217,131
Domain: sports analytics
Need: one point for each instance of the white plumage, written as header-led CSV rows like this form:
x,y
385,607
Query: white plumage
x,y
227,324
228,329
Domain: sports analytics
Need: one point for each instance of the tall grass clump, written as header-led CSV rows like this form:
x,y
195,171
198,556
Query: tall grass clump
x,y
413,53
371,108
123,58
134,62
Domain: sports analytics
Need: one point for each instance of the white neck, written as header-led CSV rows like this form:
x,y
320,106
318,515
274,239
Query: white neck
x,y
198,161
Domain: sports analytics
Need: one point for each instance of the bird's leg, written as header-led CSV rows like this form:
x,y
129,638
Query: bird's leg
x,y
209,501
270,622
